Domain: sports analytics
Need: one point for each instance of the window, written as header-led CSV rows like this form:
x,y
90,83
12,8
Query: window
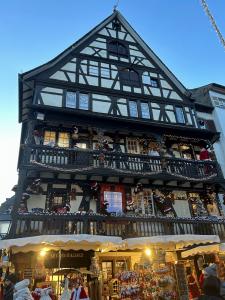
x,y
129,77
107,270
154,82
180,114
84,101
49,138
115,201
63,139
145,110
57,200
81,145
71,99
133,109
117,48
105,72
93,70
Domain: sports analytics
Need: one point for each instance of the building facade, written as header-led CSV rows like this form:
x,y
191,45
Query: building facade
x,y
111,146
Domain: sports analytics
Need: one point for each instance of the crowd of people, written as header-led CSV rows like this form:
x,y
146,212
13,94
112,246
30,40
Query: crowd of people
x,y
208,286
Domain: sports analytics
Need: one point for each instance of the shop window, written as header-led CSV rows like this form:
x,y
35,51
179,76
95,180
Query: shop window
x,y
49,138
71,99
129,77
133,109
84,101
118,49
64,139
107,270
180,114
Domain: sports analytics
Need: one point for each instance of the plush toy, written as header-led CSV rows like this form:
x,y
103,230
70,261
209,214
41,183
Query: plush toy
x,y
95,189
138,188
75,133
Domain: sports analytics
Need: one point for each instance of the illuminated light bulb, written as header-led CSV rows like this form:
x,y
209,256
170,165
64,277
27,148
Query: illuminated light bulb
x,y
148,252
43,253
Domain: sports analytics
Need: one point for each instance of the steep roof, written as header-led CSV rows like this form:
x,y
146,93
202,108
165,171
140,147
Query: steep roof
x,y
201,94
133,33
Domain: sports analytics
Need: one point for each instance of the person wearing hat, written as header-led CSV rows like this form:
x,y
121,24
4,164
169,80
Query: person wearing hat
x,y
79,292
9,282
212,270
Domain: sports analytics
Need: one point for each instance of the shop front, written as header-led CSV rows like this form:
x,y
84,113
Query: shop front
x,y
112,268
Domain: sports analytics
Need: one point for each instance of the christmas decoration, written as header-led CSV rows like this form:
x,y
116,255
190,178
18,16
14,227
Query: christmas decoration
x,y
138,188
75,133
120,171
35,187
95,190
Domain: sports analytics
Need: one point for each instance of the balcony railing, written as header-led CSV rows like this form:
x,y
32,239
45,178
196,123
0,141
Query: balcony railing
x,y
78,160
124,226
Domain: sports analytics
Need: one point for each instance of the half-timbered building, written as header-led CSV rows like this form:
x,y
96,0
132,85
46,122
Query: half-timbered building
x,y
111,146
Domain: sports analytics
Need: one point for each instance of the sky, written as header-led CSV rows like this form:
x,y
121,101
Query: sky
x,y
33,32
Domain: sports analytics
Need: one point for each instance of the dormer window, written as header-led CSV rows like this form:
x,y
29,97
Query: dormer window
x,y
118,49
129,77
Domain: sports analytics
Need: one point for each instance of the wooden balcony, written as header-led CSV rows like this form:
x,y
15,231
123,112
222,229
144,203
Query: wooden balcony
x,y
30,224
117,163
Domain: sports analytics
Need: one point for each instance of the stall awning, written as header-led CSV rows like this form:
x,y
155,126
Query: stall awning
x,y
201,250
63,242
222,247
170,242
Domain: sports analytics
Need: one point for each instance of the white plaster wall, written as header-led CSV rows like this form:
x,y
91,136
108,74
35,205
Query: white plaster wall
x,y
219,119
36,201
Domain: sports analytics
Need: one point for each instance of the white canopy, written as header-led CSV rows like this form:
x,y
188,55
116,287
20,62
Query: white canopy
x,y
170,241
64,242
201,250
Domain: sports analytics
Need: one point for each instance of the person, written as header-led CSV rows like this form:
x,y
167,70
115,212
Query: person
x,y
194,292
212,270
21,290
79,292
9,282
202,276
211,289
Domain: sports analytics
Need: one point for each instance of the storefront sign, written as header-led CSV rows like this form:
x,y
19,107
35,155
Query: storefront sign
x,y
68,259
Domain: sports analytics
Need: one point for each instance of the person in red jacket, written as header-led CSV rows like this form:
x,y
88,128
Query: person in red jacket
x,y
79,292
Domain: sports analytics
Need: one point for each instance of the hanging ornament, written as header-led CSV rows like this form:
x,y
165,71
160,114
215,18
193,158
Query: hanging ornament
x,y
164,205
130,203
95,190
75,133
106,146
138,188
101,158
35,187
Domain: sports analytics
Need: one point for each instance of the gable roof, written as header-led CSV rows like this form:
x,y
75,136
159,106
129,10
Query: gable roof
x,y
133,33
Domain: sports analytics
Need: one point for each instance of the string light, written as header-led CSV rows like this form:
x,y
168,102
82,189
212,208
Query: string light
x,y
213,22
121,171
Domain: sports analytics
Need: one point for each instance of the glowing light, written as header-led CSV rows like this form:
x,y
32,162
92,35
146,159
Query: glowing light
x,y
148,252
43,253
